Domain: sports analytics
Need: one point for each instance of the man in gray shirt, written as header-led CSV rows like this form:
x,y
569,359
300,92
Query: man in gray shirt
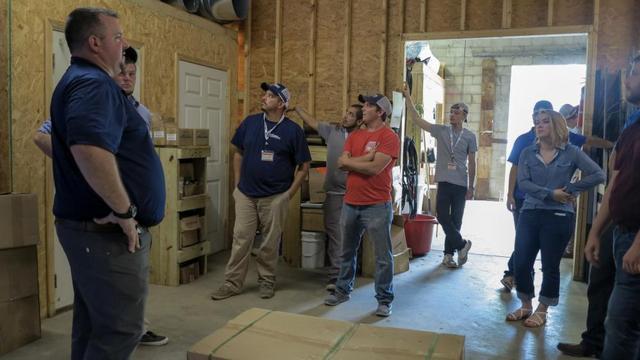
x,y
455,175
335,180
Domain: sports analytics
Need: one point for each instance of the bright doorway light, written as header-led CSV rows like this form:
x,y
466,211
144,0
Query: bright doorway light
x,y
559,84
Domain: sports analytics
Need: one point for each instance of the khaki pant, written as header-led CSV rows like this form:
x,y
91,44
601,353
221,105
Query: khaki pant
x,y
270,212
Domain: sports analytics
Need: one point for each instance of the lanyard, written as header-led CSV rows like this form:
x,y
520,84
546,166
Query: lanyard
x,y
453,146
267,133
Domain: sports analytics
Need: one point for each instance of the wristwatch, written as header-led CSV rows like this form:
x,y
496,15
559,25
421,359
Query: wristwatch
x,y
130,214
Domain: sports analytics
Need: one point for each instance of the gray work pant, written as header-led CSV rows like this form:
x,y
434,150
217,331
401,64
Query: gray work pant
x,y
332,208
110,288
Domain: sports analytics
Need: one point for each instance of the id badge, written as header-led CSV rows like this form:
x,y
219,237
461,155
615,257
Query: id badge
x,y
267,155
451,166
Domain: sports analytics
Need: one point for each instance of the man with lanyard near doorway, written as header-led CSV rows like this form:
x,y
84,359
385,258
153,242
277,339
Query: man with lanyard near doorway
x,y
455,175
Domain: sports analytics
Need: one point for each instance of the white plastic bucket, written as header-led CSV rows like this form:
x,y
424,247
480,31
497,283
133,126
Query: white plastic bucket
x,y
313,250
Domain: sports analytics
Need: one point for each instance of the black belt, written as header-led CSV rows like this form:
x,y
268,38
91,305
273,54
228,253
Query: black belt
x,y
89,226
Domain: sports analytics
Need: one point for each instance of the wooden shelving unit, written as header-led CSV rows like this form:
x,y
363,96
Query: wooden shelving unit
x,y
185,171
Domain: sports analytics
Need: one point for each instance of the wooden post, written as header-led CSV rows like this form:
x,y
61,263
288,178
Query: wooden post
x,y
506,13
278,45
550,9
347,55
463,14
383,47
312,57
485,149
423,15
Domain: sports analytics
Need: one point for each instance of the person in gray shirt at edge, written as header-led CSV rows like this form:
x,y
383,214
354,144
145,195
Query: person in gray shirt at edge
x,y
335,180
455,175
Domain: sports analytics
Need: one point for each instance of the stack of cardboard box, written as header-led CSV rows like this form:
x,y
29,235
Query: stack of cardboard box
x,y
265,334
19,305
165,132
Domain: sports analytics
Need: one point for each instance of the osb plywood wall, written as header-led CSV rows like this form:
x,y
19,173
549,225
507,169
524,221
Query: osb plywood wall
x,y
328,51
164,34
5,176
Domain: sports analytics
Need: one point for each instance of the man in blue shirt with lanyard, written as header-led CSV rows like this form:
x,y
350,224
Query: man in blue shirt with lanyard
x,y
126,79
271,161
109,189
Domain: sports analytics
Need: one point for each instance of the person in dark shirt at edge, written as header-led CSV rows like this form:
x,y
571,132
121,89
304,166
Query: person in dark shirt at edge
x,y
109,189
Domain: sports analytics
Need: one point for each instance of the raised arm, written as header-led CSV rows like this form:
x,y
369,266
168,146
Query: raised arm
x,y
412,113
306,117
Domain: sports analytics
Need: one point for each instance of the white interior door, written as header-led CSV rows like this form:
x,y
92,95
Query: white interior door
x,y
63,285
61,61
203,105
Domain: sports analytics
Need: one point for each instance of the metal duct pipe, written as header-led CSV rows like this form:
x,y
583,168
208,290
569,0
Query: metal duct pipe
x,y
224,11
191,6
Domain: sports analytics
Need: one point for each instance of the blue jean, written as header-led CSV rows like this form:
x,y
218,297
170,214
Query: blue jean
x,y
546,231
516,216
376,220
622,326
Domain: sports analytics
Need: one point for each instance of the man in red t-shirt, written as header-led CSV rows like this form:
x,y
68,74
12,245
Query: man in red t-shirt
x,y
369,155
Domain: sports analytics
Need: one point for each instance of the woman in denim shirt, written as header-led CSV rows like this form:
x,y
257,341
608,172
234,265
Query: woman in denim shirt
x,y
547,217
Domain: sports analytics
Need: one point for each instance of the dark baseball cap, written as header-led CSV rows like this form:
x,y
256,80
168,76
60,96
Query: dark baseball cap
x,y
542,105
130,55
278,89
377,99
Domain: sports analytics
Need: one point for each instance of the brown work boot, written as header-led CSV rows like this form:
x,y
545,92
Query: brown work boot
x,y
267,290
223,292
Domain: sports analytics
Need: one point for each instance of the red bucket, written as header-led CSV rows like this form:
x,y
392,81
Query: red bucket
x,y
419,232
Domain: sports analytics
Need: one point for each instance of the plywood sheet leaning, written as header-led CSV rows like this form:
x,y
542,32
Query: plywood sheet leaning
x,y
263,39
443,15
331,28
573,12
483,14
367,29
528,13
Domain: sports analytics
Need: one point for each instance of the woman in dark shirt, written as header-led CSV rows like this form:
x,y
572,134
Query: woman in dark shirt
x,y
547,218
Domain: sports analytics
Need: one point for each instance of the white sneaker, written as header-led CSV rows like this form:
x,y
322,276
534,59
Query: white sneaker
x,y
449,262
463,254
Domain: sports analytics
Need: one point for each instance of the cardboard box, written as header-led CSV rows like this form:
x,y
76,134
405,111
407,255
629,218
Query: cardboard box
x,y
19,307
171,135
201,137
189,231
19,323
18,220
185,137
401,253
158,134
18,273
312,220
316,184
265,334
189,273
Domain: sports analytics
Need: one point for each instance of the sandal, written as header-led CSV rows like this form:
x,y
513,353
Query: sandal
x,y
537,319
519,314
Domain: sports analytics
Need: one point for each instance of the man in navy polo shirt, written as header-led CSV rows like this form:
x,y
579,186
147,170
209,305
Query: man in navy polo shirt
x,y
271,161
109,189
126,79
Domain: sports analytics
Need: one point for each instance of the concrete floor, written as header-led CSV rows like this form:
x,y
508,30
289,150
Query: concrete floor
x,y
467,301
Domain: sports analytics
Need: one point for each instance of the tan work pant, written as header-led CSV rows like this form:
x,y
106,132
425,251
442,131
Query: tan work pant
x,y
270,212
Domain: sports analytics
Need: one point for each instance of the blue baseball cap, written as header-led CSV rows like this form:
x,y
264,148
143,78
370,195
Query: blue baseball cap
x,y
542,105
278,89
